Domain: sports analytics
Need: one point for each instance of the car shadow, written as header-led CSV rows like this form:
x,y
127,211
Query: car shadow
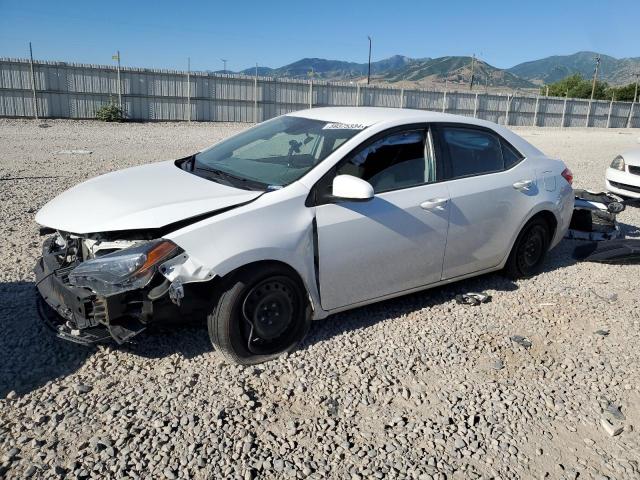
x,y
190,340
30,354
363,317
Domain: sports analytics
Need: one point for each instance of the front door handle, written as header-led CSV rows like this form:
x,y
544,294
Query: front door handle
x,y
434,204
523,184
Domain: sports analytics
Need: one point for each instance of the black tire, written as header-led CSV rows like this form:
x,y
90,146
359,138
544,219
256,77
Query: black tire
x,y
529,251
261,313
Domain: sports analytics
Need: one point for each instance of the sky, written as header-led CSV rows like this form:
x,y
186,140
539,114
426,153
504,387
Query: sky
x,y
162,34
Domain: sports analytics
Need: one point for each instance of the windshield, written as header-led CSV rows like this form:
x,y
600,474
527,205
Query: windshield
x,y
274,153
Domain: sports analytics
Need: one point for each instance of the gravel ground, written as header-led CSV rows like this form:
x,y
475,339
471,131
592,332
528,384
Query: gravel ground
x,y
417,387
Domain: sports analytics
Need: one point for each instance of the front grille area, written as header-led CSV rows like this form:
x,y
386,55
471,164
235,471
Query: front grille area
x,y
623,186
634,169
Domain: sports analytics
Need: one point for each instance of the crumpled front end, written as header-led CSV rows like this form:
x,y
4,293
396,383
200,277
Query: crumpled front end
x,y
83,315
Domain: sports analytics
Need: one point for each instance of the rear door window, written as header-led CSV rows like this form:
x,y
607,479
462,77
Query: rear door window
x,y
471,151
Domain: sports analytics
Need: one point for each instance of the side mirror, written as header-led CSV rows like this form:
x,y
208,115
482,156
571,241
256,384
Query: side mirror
x,y
348,187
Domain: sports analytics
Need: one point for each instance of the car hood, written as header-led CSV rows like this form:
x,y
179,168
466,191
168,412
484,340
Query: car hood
x,y
632,157
144,197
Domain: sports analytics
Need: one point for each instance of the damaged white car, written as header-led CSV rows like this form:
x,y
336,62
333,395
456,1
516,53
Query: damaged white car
x,y
304,215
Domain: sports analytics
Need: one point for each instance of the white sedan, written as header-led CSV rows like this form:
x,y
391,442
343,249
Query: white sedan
x,y
623,176
299,217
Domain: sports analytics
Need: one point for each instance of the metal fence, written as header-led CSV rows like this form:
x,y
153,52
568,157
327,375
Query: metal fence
x,y
65,90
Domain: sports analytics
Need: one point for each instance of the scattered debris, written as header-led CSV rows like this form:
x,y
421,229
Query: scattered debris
x,y
497,364
473,298
522,341
82,388
614,410
622,251
75,152
610,428
608,297
594,216
547,304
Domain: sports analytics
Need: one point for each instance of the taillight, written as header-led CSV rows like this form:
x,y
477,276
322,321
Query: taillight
x,y
568,176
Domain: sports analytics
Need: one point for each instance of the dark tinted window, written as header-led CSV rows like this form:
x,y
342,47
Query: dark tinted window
x,y
471,151
393,162
510,155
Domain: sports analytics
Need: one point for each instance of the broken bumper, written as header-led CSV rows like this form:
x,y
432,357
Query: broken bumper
x,y
67,310
79,315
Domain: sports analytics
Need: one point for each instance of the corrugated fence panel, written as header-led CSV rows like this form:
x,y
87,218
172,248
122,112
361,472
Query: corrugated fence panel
x,y
634,122
522,111
67,90
599,114
493,107
620,115
550,111
379,97
461,103
423,100
327,94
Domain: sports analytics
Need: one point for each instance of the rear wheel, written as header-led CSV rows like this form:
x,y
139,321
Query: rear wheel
x,y
529,251
261,313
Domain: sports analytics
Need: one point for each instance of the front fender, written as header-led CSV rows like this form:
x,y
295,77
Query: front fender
x,y
273,228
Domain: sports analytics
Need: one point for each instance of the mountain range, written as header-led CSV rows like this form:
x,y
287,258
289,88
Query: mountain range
x,y
457,70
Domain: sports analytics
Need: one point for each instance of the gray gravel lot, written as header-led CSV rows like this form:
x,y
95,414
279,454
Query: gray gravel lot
x,y
417,387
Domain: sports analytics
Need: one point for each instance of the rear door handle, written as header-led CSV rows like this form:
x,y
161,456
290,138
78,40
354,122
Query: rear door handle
x,y
523,184
434,204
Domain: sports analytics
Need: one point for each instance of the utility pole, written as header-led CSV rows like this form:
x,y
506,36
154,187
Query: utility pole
x,y
593,86
33,84
473,65
595,76
224,65
369,69
635,94
117,57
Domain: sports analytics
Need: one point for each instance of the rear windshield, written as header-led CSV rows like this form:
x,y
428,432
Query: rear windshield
x,y
274,153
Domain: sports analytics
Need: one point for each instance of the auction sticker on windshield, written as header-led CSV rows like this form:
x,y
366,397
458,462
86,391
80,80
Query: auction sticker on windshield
x,y
344,126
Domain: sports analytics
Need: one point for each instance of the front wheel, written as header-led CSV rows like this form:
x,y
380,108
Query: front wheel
x,y
261,313
529,251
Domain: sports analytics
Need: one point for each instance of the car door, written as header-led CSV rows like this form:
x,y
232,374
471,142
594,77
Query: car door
x,y
492,188
393,242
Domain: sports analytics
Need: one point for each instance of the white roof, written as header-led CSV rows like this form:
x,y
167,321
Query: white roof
x,y
368,116
371,115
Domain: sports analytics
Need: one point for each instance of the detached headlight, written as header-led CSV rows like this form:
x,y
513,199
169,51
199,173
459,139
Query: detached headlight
x,y
618,163
124,270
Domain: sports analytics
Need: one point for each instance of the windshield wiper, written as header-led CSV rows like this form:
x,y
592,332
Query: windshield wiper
x,y
232,180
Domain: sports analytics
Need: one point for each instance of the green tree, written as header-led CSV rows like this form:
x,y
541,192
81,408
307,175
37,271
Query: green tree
x,y
623,94
575,86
